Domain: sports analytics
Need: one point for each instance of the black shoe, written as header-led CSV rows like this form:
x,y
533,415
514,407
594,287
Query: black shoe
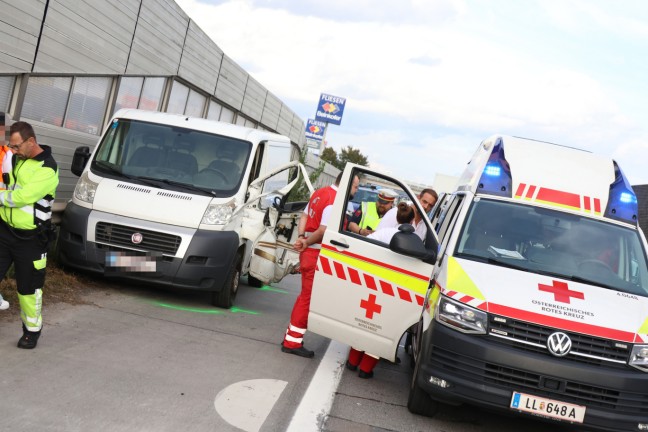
x,y
351,367
365,375
301,351
29,340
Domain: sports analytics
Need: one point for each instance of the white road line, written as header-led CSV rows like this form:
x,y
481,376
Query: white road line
x,y
318,399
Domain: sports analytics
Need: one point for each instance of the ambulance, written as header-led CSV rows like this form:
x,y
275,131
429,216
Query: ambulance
x,y
528,295
184,202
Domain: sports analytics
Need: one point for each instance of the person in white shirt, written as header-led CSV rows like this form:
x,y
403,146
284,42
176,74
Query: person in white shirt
x,y
427,198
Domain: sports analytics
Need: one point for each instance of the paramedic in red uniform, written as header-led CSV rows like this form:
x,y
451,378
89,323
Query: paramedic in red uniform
x,y
312,225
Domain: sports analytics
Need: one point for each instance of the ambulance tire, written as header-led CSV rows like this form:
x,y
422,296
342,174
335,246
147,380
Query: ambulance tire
x,y
418,401
415,334
254,282
225,297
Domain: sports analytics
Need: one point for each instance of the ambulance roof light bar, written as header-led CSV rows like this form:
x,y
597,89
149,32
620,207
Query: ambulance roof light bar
x,y
622,201
496,177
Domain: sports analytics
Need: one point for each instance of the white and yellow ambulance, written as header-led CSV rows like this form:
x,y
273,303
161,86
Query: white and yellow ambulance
x,y
529,293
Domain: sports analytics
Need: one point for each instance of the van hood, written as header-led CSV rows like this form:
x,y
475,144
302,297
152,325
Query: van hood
x,y
547,301
150,203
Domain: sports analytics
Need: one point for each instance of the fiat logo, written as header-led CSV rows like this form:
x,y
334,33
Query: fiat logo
x,y
559,344
137,238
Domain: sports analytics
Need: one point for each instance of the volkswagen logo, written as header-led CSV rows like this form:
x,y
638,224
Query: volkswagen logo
x,y
559,344
137,238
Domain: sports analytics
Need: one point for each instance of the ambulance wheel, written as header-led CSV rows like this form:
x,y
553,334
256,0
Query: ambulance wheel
x,y
225,297
416,338
419,402
254,282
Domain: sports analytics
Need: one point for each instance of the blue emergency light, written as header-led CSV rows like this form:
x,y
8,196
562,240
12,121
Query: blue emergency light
x,y
496,177
622,201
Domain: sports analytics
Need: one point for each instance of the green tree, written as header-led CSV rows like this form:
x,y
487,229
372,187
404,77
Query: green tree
x,y
300,192
353,155
329,155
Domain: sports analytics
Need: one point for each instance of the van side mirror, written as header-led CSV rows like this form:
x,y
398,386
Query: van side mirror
x,y
79,160
406,242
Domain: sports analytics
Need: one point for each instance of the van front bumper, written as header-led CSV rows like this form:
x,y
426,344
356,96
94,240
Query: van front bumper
x,y
485,373
205,264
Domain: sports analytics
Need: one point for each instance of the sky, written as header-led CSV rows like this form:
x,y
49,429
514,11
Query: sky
x,y
426,81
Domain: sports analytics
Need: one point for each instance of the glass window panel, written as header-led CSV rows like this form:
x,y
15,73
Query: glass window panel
x,y
240,120
227,115
214,110
195,104
46,99
178,98
129,92
6,88
250,124
152,93
88,104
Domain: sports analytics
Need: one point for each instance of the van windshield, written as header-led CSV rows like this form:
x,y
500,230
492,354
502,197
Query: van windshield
x,y
172,157
554,242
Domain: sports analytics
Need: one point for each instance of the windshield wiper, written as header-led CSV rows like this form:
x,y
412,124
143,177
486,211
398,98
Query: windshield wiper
x,y
111,167
591,282
507,264
180,184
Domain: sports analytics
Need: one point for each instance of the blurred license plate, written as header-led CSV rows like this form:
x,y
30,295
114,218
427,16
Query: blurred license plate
x,y
548,407
119,261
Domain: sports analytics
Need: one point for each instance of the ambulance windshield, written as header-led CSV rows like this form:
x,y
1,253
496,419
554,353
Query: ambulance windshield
x,y
557,243
172,157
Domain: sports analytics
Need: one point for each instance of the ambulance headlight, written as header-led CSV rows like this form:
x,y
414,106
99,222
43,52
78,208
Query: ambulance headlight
x,y
460,316
639,357
217,214
85,189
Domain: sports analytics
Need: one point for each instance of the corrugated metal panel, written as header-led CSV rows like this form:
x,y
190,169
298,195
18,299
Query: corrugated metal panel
x,y
159,37
254,99
230,87
201,59
63,143
93,36
297,130
20,23
285,120
271,110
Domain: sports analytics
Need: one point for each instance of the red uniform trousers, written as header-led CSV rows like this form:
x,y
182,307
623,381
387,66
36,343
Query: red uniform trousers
x,y
299,318
366,362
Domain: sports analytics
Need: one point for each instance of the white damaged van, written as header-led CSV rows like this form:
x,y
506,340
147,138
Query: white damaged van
x,y
184,202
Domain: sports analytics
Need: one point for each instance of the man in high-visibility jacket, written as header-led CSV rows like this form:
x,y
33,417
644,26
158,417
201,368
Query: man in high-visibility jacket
x,y
25,224
366,218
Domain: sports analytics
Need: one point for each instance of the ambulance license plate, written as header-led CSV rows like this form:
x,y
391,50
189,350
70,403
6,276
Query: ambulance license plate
x,y
547,407
119,261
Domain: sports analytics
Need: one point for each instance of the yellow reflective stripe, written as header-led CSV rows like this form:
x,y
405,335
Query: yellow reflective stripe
x,y
395,277
459,281
30,310
644,327
41,263
434,298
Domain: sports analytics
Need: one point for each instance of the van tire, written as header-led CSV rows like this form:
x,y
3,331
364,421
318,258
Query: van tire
x,y
225,297
254,282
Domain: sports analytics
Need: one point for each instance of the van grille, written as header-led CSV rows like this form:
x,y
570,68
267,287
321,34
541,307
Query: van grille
x,y
479,371
120,235
533,337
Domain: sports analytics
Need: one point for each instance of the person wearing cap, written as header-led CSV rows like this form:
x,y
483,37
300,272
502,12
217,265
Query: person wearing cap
x,y
367,217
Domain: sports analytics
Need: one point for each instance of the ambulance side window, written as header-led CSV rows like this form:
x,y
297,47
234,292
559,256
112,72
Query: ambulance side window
x,y
448,220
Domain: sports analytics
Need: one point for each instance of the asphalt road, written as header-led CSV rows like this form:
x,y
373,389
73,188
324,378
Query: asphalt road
x,y
146,359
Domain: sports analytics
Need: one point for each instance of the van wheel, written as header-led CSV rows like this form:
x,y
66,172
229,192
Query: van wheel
x,y
416,338
254,282
419,402
225,297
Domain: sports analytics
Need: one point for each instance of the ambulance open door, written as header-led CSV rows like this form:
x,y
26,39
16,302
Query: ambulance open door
x,y
364,294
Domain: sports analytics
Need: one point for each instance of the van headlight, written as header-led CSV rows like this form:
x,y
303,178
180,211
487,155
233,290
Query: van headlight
x,y
639,357
85,189
217,214
461,317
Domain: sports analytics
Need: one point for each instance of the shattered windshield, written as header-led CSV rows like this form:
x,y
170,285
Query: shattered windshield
x,y
172,157
554,242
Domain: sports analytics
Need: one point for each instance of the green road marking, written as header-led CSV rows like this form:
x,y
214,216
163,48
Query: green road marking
x,y
210,311
269,288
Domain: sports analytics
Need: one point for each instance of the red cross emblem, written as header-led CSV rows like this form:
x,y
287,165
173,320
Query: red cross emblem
x,y
371,306
561,291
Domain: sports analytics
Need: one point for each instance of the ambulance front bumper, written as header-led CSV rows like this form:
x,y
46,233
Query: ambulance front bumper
x,y
482,372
